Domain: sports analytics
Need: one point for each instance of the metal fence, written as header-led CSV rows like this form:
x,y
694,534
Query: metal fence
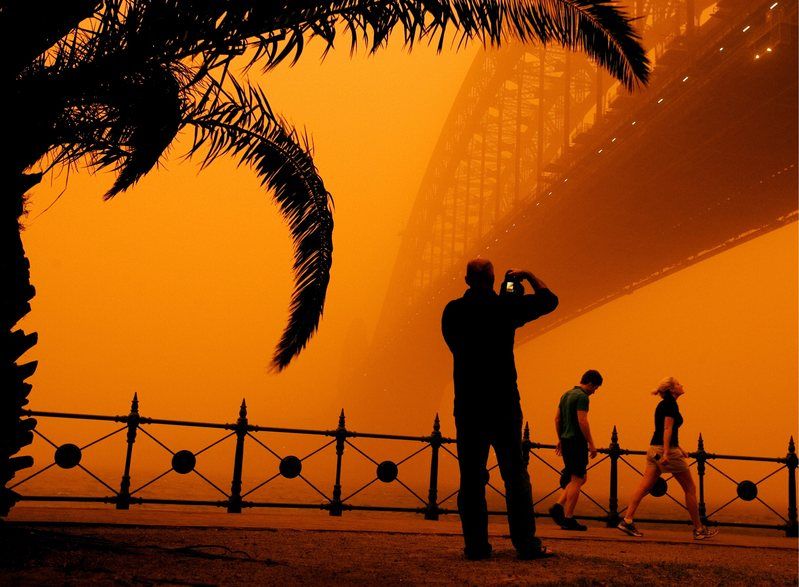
x,y
341,439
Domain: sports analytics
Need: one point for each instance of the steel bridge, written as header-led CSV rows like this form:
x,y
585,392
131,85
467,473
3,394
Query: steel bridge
x,y
544,163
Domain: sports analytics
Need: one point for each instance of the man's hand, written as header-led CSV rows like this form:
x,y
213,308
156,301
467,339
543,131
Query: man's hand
x,y
517,274
557,449
592,452
665,458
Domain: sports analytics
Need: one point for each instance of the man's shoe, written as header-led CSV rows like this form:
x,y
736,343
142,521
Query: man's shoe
x,y
557,514
534,553
705,533
574,525
629,529
477,554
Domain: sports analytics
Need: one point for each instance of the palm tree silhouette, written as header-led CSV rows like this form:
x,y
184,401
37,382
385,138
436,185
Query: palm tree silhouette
x,y
111,83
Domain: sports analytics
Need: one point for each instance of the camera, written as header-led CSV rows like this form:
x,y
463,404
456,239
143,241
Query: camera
x,y
511,286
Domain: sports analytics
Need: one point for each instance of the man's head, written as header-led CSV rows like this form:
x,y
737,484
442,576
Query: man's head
x,y
591,381
480,274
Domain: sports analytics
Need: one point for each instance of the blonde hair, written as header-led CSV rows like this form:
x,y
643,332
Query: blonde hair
x,y
666,385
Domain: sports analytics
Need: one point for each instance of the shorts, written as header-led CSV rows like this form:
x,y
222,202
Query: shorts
x,y
675,464
575,456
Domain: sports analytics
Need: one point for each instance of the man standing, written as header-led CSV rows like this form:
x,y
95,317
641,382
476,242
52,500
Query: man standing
x,y
479,329
575,444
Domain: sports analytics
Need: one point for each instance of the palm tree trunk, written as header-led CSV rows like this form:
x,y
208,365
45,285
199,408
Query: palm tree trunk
x,y
16,432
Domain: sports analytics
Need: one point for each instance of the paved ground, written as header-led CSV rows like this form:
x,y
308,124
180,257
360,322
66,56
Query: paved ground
x,y
284,547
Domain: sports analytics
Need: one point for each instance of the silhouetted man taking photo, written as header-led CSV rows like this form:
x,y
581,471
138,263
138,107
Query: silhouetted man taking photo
x,y
479,329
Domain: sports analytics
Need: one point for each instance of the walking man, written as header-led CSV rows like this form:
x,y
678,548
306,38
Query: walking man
x,y
479,329
575,444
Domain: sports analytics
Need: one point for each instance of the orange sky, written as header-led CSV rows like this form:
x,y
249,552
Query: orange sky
x,y
179,289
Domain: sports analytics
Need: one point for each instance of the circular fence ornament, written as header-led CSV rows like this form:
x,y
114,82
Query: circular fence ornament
x,y
290,467
747,490
67,456
183,462
660,488
387,471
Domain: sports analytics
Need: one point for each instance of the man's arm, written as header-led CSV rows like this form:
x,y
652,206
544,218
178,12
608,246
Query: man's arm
x,y
557,430
582,420
541,302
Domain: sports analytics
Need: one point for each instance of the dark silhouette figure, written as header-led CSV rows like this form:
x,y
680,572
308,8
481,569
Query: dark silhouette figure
x,y
575,443
479,329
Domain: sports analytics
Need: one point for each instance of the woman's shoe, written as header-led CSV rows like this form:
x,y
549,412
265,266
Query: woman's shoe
x,y
705,533
629,529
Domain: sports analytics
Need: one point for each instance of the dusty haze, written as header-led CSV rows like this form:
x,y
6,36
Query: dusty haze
x,y
179,289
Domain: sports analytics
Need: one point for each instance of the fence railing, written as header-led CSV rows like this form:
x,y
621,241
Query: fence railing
x,y
184,462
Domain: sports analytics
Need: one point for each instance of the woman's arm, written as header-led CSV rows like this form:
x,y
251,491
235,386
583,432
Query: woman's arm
x,y
668,426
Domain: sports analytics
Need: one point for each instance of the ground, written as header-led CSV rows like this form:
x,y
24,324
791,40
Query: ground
x,y
369,550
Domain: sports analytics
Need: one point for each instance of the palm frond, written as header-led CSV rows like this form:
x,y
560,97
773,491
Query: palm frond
x,y
153,113
27,29
245,127
600,27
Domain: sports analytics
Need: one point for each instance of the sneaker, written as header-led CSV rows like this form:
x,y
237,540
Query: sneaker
x,y
557,514
629,529
574,525
705,533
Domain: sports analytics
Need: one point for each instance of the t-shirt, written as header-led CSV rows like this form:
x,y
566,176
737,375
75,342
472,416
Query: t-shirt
x,y
571,402
667,408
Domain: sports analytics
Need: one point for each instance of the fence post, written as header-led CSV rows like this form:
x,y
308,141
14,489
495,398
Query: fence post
x,y
123,499
527,446
791,461
613,502
431,511
234,504
701,457
341,435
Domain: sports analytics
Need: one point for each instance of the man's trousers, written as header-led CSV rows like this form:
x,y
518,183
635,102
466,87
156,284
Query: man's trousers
x,y
476,432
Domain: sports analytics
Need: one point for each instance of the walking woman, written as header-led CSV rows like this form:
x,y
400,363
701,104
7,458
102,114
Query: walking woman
x,y
666,456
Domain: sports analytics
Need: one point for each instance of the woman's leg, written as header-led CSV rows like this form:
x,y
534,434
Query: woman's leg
x,y
647,481
686,481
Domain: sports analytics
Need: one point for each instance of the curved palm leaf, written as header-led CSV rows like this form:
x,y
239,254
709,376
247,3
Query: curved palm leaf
x,y
245,127
600,27
152,108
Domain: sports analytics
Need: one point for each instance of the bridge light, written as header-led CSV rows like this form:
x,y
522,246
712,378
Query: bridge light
x,y
613,140
565,180
685,79
661,100
746,28
768,49
757,56
600,151
773,6
633,122
721,49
